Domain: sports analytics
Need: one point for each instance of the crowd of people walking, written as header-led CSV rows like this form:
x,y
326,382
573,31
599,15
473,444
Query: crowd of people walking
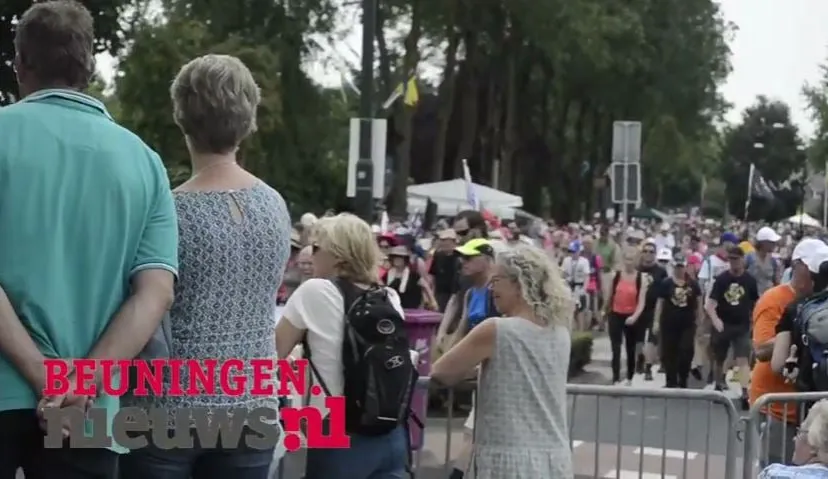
x,y
102,260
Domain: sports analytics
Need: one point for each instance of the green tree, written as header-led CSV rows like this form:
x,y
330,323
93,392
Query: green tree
x,y
529,92
301,145
767,139
107,15
816,96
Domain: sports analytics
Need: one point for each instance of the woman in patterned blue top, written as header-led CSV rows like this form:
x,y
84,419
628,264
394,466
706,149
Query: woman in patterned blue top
x,y
234,245
810,449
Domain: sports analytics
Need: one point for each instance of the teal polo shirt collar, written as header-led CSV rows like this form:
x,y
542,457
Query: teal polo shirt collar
x,y
69,96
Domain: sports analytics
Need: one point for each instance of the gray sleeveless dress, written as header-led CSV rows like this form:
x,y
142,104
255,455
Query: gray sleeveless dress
x,y
521,421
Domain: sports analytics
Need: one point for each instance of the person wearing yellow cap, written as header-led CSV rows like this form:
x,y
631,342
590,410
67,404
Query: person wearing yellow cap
x,y
477,256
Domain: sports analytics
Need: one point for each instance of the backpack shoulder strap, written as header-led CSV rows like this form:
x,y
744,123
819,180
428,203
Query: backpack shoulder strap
x,y
349,297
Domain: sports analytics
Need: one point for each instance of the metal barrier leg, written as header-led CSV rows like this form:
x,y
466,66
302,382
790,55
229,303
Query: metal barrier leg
x,y
449,420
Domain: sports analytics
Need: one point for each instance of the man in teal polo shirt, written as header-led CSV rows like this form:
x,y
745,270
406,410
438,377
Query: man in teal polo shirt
x,y
88,237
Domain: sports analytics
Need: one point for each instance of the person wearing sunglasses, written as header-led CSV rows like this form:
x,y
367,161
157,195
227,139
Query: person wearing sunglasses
x,y
470,224
647,351
678,309
730,308
810,448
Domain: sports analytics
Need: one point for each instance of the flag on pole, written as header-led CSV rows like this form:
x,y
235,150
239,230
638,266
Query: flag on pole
x,y
760,186
412,95
471,195
757,187
407,91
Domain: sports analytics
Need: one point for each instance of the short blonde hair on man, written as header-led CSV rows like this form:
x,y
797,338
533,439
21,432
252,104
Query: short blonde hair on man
x,y
214,102
351,241
541,283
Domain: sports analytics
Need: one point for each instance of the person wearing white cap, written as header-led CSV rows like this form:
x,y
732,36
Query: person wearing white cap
x,y
665,239
761,264
804,320
805,248
664,257
781,422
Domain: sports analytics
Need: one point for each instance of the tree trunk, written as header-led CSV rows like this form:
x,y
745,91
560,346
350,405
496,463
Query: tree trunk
x,y
385,59
510,134
445,104
404,115
469,105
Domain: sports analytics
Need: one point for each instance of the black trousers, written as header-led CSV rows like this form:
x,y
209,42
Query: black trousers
x,y
677,348
619,333
21,446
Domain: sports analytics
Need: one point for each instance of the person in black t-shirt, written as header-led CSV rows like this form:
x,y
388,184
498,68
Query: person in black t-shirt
x,y
730,307
678,308
444,267
648,352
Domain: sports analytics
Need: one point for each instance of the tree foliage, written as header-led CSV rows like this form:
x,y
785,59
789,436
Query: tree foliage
x,y
531,89
816,97
527,92
298,148
107,13
767,139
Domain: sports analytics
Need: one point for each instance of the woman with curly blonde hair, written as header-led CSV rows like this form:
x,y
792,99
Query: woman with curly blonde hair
x,y
521,424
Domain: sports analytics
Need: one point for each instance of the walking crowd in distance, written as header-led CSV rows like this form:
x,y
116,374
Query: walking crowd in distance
x,y
107,262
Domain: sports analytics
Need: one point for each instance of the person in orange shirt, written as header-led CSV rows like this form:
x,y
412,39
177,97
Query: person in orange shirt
x,y
781,419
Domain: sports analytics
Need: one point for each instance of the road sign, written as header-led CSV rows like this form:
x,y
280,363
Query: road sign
x,y
626,141
626,182
378,132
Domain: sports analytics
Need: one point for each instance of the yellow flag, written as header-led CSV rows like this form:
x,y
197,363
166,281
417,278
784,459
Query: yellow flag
x,y
412,96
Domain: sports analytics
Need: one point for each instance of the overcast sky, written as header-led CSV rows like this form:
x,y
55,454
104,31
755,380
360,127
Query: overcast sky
x,y
777,48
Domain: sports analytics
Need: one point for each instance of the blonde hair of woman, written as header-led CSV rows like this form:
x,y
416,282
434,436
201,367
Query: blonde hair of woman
x,y
342,246
349,246
526,352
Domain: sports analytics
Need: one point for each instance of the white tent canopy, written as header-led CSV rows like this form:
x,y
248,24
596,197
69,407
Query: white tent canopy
x,y
450,197
804,219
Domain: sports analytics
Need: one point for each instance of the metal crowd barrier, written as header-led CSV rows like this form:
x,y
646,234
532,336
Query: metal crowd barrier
x,y
655,453
771,439
612,427
623,445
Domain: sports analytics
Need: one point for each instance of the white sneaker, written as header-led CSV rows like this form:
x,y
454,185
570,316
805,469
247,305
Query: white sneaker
x,y
628,382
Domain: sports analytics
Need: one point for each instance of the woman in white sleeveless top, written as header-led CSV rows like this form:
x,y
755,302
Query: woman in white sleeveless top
x,y
521,423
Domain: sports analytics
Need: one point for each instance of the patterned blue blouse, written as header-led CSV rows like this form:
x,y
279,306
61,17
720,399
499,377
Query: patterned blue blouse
x,y
230,266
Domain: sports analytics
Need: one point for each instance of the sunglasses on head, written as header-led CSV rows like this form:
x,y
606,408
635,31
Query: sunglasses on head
x,y
462,232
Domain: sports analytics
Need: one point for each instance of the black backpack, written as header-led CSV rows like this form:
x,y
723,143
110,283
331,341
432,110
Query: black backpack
x,y
379,375
811,324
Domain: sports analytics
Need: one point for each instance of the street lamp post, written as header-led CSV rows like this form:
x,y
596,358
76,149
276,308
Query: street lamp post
x,y
364,195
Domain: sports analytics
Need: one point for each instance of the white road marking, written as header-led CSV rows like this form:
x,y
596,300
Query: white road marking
x,y
671,453
576,444
623,474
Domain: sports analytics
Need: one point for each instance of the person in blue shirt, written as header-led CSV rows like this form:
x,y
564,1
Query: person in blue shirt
x,y
89,249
